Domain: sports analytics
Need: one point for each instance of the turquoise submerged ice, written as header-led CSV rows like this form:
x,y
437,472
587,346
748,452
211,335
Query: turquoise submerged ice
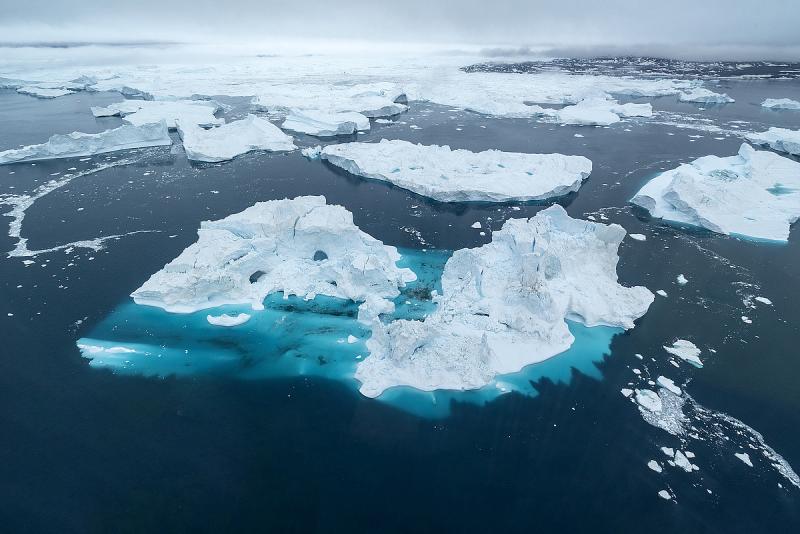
x,y
404,336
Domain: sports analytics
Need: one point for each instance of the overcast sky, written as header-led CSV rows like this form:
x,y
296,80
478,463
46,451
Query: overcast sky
x,y
729,26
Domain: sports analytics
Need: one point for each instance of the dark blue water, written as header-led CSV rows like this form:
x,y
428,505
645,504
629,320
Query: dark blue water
x,y
87,448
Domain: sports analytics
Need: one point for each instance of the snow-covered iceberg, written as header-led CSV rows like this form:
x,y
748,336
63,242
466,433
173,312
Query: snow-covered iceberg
x,y
505,305
701,95
78,144
186,112
460,175
600,111
756,194
233,139
322,124
780,139
781,103
301,247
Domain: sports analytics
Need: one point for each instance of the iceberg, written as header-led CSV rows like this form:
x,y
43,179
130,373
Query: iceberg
x,y
138,112
233,139
228,320
781,103
754,194
701,95
44,92
686,351
505,305
370,100
780,139
322,124
600,111
302,247
460,175
79,144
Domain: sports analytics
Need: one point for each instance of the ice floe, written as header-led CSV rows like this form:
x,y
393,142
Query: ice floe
x,y
744,457
701,95
322,124
233,139
686,351
371,100
301,247
460,175
228,320
186,112
44,92
505,305
599,111
781,103
755,194
79,144
780,139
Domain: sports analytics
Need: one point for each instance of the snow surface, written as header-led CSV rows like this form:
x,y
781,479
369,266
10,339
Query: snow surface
x,y
504,305
781,103
755,194
233,139
780,139
701,95
271,247
228,320
185,112
322,124
79,144
460,175
686,351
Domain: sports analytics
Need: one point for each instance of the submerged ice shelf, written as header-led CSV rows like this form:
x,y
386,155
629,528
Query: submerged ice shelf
x,y
460,175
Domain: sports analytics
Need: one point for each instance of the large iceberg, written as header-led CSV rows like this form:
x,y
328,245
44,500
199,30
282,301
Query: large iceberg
x,y
505,305
781,103
460,175
323,124
233,139
301,247
780,139
186,112
79,144
756,194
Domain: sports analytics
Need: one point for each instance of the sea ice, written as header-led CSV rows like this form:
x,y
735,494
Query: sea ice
x,y
780,139
664,494
228,320
781,103
79,144
44,92
701,95
301,247
756,194
655,466
665,382
743,456
322,124
460,175
686,351
600,111
233,139
649,400
682,280
185,112
638,237
504,305
371,100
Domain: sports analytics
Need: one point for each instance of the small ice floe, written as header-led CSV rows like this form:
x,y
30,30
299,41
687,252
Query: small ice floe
x,y
578,135
686,351
655,466
228,320
743,456
384,121
682,280
665,382
746,320
476,224
780,139
763,300
233,139
700,95
40,91
649,400
638,237
352,339
661,292
626,392
312,152
325,124
186,113
664,494
781,103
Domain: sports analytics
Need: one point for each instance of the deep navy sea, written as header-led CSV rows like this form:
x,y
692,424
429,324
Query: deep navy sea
x,y
262,429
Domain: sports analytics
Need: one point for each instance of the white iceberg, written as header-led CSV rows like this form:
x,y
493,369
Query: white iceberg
x,y
233,139
322,124
186,112
505,305
686,351
756,194
460,175
600,111
228,320
701,95
79,144
301,247
780,139
781,103
44,92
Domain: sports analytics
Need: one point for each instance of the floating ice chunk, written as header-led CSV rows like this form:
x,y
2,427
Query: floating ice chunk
x,y
662,292
746,320
626,392
669,451
352,339
370,100
664,494
185,112
97,349
228,320
655,466
601,111
665,382
781,103
44,92
701,95
780,139
79,144
683,462
682,280
686,351
233,139
312,152
476,224
321,124
638,237
649,400
504,305
756,194
763,300
300,247
743,456
460,175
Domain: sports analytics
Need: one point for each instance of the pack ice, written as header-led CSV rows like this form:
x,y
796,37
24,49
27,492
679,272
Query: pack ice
x,y
233,139
505,305
301,247
371,100
321,124
79,144
460,175
755,194
780,139
185,112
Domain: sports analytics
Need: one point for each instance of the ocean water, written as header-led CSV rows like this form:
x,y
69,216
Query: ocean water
x,y
266,432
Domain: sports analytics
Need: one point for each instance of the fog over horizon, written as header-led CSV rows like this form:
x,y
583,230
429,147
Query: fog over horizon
x,y
712,29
